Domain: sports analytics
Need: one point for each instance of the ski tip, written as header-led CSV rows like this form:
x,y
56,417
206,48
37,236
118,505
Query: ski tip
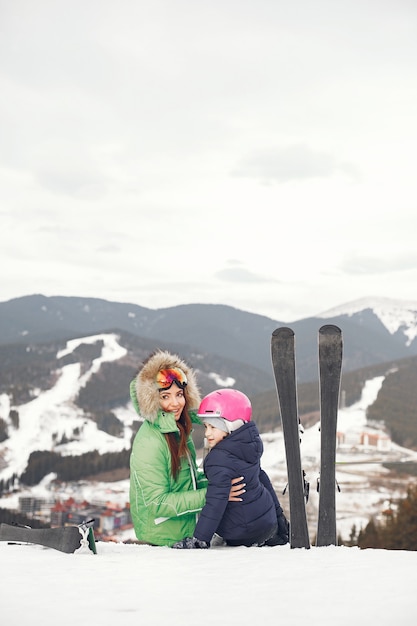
x,y
283,332
330,329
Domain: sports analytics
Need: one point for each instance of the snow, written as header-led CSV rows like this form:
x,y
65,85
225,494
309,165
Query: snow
x,y
53,414
395,315
221,381
149,585
134,584
356,306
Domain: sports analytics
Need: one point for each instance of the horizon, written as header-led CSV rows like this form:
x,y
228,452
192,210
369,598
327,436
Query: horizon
x,y
348,308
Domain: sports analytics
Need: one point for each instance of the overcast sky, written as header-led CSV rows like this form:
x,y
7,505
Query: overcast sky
x,y
255,153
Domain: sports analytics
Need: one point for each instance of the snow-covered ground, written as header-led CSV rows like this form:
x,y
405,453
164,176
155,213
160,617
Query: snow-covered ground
x,y
131,585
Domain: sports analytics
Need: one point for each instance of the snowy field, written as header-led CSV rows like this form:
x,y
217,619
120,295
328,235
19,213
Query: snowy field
x,y
141,585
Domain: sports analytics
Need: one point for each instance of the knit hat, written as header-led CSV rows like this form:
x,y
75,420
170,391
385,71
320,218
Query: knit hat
x,y
221,423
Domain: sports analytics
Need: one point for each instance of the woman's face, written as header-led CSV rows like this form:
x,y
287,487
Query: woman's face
x,y
172,400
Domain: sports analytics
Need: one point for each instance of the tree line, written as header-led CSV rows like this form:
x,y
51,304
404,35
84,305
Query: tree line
x,y
396,531
71,468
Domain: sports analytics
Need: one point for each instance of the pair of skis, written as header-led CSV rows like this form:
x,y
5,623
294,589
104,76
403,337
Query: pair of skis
x,y
69,539
330,365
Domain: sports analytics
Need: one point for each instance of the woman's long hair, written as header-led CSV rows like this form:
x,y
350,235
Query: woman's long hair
x,y
178,444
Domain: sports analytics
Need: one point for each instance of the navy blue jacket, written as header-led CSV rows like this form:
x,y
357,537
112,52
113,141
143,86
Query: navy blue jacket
x,y
238,454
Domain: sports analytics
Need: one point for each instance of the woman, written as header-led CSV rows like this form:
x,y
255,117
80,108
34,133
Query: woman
x,y
167,491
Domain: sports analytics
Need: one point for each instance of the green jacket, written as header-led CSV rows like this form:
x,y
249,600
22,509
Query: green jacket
x,y
163,510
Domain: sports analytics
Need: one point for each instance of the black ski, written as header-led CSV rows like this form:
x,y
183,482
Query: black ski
x,y
283,363
330,367
69,539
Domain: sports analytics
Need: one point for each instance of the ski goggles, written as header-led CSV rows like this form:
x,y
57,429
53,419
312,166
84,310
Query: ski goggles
x,y
165,378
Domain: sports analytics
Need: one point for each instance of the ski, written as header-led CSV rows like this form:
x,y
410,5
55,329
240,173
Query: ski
x,y
68,539
330,366
283,363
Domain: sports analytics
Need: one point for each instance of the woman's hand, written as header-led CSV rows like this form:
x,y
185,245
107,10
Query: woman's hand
x,y
237,489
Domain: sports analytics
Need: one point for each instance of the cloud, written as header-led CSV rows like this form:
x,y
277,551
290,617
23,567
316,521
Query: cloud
x,y
72,183
375,265
137,139
292,162
109,249
240,275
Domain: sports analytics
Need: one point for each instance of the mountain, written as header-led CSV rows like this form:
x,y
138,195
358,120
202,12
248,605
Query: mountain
x,y
64,400
65,407
42,339
374,330
78,431
225,345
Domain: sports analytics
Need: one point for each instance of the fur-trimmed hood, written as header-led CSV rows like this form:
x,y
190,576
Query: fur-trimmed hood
x,y
144,392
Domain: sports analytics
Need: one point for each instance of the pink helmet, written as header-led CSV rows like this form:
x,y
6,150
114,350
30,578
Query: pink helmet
x,y
230,404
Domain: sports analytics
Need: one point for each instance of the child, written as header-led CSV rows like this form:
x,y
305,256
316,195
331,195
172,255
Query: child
x,y
235,449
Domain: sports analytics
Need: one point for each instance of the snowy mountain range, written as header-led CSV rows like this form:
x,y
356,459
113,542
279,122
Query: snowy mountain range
x,y
56,415
69,394
375,330
52,421
396,316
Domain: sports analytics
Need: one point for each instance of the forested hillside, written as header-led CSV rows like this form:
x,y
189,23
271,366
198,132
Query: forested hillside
x,y
396,405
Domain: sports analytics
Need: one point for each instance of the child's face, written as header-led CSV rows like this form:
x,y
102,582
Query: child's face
x,y
213,435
